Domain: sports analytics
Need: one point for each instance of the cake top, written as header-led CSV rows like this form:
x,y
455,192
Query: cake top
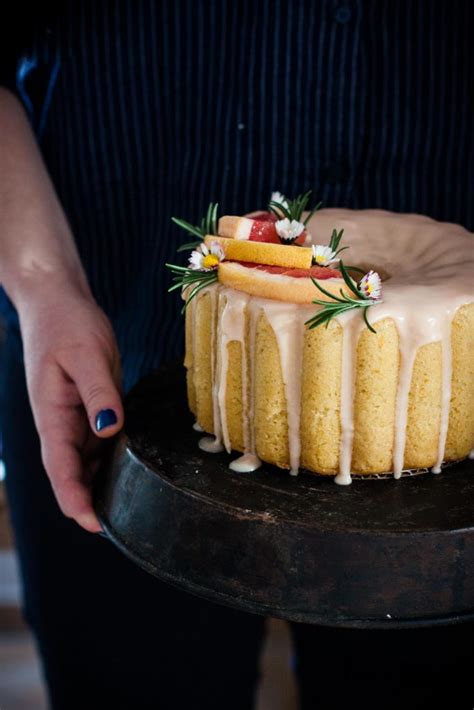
x,y
424,264
397,262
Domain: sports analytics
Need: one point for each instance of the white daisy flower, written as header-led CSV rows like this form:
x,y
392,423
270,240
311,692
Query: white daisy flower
x,y
206,258
278,197
289,231
323,256
371,285
281,200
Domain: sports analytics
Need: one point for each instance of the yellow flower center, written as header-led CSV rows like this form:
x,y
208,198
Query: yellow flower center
x,y
210,261
321,259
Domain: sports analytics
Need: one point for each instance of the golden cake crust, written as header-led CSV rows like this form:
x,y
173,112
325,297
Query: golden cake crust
x,y
375,395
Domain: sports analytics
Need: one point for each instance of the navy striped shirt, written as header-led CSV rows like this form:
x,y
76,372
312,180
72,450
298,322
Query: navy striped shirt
x,y
147,109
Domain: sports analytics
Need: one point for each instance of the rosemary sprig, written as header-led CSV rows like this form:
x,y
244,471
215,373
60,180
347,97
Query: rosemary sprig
x,y
342,303
335,240
334,243
327,255
184,277
208,226
353,268
294,208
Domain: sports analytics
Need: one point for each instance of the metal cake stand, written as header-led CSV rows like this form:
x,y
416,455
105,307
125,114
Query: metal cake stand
x,y
376,554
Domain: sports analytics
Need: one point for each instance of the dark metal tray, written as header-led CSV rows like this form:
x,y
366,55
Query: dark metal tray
x,y
376,554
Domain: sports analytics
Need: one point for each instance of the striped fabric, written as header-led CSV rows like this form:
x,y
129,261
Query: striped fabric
x,y
146,110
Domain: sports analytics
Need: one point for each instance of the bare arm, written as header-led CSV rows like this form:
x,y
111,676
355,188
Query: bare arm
x,y
35,237
71,359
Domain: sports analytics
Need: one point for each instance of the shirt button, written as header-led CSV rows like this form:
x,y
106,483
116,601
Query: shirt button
x,y
342,15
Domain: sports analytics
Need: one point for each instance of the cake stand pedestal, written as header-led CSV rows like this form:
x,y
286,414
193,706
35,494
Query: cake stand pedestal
x,y
376,554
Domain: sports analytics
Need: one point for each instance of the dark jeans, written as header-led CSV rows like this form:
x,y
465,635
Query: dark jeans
x,y
111,636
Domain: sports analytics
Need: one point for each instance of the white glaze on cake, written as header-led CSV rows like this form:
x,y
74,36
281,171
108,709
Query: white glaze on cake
x,y
428,271
351,331
207,443
245,463
231,327
288,327
212,445
446,392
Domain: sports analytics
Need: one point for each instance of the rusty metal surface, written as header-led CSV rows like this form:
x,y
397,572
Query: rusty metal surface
x,y
378,554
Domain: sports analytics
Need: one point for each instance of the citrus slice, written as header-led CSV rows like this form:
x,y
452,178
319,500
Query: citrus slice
x,y
320,273
256,227
290,257
258,280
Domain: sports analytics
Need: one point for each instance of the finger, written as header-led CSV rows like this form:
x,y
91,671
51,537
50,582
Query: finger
x,y
63,430
65,469
94,379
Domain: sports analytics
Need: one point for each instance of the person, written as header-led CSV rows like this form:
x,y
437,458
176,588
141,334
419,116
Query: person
x,y
114,117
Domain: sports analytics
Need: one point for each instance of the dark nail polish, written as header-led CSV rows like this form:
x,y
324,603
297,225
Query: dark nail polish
x,y
105,418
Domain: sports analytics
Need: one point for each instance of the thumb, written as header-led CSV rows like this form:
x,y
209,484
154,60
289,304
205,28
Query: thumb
x,y
99,394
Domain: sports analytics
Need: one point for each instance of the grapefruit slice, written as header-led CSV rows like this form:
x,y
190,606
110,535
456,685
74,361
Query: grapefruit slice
x,y
264,230
258,280
256,227
290,257
320,273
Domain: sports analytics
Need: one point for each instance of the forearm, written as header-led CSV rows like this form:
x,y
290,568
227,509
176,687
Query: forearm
x,y
36,245
72,363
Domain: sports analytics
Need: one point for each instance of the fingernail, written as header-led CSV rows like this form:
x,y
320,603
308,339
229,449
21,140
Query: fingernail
x,y
105,418
89,522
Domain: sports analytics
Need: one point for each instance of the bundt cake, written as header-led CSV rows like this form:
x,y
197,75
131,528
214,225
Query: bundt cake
x,y
387,392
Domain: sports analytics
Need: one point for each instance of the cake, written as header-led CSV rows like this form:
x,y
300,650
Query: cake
x,y
385,393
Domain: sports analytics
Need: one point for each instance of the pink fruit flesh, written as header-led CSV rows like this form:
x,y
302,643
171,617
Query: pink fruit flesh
x,y
263,230
316,272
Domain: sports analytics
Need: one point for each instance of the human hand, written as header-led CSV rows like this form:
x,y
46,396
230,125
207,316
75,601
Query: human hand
x,y
73,376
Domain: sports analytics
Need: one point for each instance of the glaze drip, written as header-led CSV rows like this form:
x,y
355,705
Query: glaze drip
x,y
231,327
285,320
245,463
217,445
446,396
351,329
210,444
